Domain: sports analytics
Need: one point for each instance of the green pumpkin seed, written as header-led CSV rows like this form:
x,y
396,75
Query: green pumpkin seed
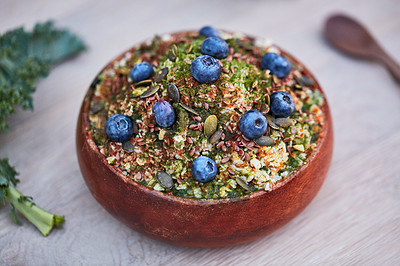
x,y
267,100
187,108
265,141
161,74
96,107
271,122
135,128
143,83
304,81
151,91
138,91
164,179
172,52
128,146
283,122
240,180
264,108
216,136
210,125
155,43
173,92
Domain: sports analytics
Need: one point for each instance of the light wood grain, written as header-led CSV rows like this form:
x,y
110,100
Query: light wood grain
x,y
355,218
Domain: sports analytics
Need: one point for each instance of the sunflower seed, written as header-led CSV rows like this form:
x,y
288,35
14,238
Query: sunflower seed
x,y
271,122
173,92
267,100
216,136
151,91
143,83
242,183
265,141
161,74
128,146
283,122
189,48
164,179
187,108
210,125
172,52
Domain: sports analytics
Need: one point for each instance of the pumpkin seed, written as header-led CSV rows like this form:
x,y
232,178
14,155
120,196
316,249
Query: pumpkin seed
x,y
210,125
265,141
304,81
283,122
240,180
161,74
128,146
138,91
187,108
189,48
143,83
173,92
172,52
96,107
264,108
155,43
216,136
245,45
164,179
151,91
135,128
271,122
267,100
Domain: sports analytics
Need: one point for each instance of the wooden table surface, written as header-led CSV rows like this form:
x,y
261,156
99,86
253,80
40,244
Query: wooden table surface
x,y
355,218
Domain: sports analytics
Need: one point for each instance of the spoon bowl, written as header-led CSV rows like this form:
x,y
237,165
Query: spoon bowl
x,y
351,37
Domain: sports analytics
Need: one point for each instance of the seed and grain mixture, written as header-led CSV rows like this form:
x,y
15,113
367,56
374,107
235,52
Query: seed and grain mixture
x,y
207,118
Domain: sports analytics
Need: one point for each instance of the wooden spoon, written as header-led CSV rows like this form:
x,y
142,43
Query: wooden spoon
x,y
351,37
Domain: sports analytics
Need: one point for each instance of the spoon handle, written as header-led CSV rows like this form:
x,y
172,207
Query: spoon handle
x,y
390,64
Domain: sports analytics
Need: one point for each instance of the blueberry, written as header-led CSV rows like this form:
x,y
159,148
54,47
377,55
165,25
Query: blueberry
x,y
205,69
119,128
277,64
209,31
141,71
215,47
282,104
164,113
204,169
253,124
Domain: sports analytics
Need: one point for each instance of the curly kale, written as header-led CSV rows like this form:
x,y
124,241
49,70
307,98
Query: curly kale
x,y
27,56
24,58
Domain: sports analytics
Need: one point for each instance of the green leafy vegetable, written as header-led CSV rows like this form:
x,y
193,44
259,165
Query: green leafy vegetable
x,y
27,56
42,219
24,58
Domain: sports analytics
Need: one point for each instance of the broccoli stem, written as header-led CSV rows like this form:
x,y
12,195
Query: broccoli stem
x,y
43,220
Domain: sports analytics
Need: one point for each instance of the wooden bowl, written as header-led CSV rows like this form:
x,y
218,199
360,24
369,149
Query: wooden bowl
x,y
201,223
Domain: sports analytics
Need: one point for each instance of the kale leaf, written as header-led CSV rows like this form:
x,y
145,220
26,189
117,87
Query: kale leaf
x,y
27,56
